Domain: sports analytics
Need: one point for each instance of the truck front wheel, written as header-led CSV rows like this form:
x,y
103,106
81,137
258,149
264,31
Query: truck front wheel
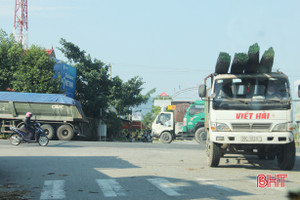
x,y
49,130
286,157
200,135
65,132
166,137
213,154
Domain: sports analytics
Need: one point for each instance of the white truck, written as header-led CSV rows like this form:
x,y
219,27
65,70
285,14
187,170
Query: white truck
x,y
186,122
244,115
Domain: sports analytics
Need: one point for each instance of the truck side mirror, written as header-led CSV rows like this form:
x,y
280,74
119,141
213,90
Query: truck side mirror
x,y
298,90
202,91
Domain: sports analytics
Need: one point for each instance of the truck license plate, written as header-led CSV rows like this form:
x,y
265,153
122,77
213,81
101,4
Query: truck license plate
x,y
251,138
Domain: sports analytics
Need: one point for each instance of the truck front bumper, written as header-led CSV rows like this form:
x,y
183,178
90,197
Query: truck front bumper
x,y
251,137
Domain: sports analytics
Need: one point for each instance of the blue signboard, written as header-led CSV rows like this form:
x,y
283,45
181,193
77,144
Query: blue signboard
x,y
68,77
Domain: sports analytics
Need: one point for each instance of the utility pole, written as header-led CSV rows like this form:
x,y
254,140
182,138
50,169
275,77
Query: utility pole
x,y
21,22
110,75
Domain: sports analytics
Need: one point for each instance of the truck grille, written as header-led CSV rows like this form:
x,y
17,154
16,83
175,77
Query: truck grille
x,y
251,127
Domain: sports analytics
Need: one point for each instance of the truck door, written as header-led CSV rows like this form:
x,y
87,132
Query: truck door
x,y
195,115
163,122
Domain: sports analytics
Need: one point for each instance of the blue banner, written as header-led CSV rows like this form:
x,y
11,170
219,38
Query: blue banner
x,y
68,77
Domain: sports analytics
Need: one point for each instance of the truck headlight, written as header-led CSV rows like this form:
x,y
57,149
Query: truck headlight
x,y
283,127
219,127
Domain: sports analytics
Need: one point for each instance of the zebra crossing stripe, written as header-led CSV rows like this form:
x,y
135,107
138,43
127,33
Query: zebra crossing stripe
x,y
165,186
53,189
215,184
110,187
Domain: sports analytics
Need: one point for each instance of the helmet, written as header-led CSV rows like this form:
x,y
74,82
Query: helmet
x,y
28,114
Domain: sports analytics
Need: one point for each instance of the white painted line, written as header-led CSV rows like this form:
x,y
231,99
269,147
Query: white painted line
x,y
213,182
165,186
53,189
110,187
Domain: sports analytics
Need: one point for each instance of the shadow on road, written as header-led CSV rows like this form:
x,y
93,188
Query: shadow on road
x,y
26,175
254,163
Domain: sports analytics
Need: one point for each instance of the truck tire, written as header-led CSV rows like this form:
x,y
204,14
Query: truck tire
x,y
166,137
65,132
200,135
49,130
286,157
213,154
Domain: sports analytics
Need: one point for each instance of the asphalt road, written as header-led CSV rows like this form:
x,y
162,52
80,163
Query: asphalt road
x,y
119,170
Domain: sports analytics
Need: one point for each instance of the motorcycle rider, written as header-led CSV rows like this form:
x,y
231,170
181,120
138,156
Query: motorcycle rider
x,y
29,125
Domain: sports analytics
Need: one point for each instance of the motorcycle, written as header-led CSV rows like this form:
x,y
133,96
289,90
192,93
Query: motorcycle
x,y
20,135
146,137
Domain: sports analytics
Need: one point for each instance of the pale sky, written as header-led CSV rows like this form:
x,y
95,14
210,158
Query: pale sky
x,y
171,44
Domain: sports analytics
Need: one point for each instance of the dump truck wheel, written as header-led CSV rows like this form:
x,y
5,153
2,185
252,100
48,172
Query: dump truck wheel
x,y
65,132
200,135
286,157
166,137
49,130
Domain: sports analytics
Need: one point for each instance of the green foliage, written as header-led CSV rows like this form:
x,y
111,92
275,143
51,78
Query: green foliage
x,y
126,95
149,117
35,73
253,49
95,90
25,71
158,97
10,55
92,81
114,125
224,57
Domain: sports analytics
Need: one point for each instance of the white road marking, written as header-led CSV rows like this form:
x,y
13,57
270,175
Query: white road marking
x,y
111,188
53,189
214,183
165,186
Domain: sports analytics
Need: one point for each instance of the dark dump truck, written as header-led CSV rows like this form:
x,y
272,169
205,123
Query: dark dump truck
x,y
60,116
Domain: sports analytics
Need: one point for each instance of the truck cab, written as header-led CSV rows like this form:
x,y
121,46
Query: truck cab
x,y
193,121
163,127
249,114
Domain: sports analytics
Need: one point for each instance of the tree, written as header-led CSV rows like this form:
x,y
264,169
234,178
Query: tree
x,y
10,55
92,82
95,90
126,95
35,72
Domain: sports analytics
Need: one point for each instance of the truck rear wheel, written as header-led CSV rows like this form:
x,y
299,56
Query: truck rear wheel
x,y
286,157
213,154
166,137
200,135
49,130
65,132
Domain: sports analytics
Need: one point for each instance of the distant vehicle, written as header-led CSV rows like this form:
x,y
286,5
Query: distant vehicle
x,y
59,116
186,122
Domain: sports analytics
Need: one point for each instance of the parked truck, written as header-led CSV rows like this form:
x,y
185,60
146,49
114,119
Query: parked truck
x,y
244,117
187,121
58,115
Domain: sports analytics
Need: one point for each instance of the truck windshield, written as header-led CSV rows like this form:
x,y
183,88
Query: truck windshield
x,y
196,109
251,93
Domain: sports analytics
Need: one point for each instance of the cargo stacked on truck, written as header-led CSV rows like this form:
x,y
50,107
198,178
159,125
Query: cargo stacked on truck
x,y
59,116
248,111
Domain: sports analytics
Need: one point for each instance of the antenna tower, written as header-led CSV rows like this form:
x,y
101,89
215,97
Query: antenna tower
x,y
21,22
